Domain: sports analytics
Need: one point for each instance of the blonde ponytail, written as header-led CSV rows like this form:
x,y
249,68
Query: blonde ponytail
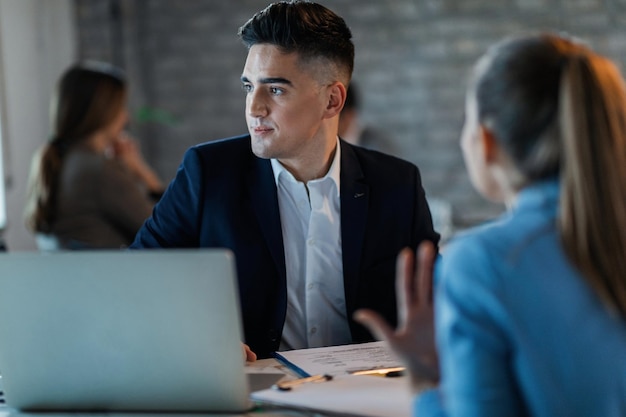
x,y
592,221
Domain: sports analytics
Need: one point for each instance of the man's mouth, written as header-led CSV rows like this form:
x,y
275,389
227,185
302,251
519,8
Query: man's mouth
x,y
260,130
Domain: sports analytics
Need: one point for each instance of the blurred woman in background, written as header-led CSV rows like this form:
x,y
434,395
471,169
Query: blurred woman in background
x,y
90,186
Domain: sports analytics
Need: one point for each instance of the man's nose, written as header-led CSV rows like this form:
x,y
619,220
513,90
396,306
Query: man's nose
x,y
256,105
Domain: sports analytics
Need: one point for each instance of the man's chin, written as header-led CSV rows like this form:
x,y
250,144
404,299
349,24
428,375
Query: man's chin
x,y
261,151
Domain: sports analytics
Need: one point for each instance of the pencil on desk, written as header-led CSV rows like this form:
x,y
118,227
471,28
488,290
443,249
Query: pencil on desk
x,y
287,385
387,372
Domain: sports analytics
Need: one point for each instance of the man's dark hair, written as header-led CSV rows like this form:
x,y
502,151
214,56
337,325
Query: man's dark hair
x,y
309,29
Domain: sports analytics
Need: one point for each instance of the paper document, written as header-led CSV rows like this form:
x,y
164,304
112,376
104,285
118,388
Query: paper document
x,y
346,395
345,359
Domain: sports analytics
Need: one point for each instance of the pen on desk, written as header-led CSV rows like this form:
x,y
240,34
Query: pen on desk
x,y
290,365
288,385
386,372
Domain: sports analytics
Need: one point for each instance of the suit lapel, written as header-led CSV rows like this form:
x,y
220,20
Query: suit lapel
x,y
264,199
354,203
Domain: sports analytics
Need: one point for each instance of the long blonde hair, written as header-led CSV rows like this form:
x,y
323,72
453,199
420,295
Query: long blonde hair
x,y
559,110
593,173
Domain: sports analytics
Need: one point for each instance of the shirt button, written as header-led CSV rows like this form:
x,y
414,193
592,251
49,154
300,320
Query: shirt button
x,y
272,335
313,330
311,242
310,286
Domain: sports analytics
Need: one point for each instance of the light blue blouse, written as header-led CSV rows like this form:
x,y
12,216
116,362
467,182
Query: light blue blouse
x,y
519,332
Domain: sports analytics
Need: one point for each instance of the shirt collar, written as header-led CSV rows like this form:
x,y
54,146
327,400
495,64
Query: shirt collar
x,y
333,172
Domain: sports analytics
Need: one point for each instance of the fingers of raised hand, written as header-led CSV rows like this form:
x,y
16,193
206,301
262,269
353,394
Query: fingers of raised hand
x,y
404,283
376,324
424,273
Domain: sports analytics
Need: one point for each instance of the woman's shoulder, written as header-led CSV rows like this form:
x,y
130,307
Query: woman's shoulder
x,y
490,237
82,167
495,245
96,170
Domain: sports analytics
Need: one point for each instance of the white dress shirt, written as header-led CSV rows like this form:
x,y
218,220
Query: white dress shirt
x,y
310,217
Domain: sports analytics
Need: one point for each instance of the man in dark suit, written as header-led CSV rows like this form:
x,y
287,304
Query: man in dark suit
x,y
315,223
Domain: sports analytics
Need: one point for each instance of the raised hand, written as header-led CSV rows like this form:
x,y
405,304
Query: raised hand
x,y
126,149
414,338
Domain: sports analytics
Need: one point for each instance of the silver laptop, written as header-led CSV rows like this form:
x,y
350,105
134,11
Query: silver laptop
x,y
148,330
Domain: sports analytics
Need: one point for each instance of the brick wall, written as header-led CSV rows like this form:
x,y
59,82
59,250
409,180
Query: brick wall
x,y
412,60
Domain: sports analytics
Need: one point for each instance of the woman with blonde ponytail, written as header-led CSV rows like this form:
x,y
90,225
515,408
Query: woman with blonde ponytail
x,y
89,185
530,309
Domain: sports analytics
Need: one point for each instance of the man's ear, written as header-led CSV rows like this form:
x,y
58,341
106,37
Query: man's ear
x,y
490,145
336,99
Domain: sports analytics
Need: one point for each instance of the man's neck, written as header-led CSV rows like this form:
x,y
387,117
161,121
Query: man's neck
x,y
312,166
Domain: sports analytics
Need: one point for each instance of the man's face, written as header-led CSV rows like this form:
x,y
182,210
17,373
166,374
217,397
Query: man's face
x,y
284,104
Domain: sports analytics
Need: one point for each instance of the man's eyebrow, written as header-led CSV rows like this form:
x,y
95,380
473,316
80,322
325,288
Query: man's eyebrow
x,y
268,80
274,80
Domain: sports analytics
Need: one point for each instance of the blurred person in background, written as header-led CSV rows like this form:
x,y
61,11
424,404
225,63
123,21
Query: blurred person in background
x,y
89,186
354,130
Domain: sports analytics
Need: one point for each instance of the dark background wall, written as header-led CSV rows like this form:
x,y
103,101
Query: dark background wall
x,y
412,59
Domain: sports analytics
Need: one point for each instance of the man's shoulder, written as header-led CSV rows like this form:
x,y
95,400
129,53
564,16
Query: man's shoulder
x,y
226,153
239,143
232,157
374,161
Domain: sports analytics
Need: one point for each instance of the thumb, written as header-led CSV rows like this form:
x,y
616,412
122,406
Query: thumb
x,y
375,323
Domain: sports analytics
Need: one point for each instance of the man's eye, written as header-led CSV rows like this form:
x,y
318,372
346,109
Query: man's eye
x,y
276,91
246,87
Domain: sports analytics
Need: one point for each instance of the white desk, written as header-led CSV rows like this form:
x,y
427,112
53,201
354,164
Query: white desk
x,y
6,412
392,398
263,373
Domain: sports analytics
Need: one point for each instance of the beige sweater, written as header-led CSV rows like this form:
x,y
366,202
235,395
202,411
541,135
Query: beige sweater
x,y
100,204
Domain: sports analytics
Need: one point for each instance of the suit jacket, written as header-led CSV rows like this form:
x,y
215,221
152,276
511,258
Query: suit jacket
x,y
225,196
